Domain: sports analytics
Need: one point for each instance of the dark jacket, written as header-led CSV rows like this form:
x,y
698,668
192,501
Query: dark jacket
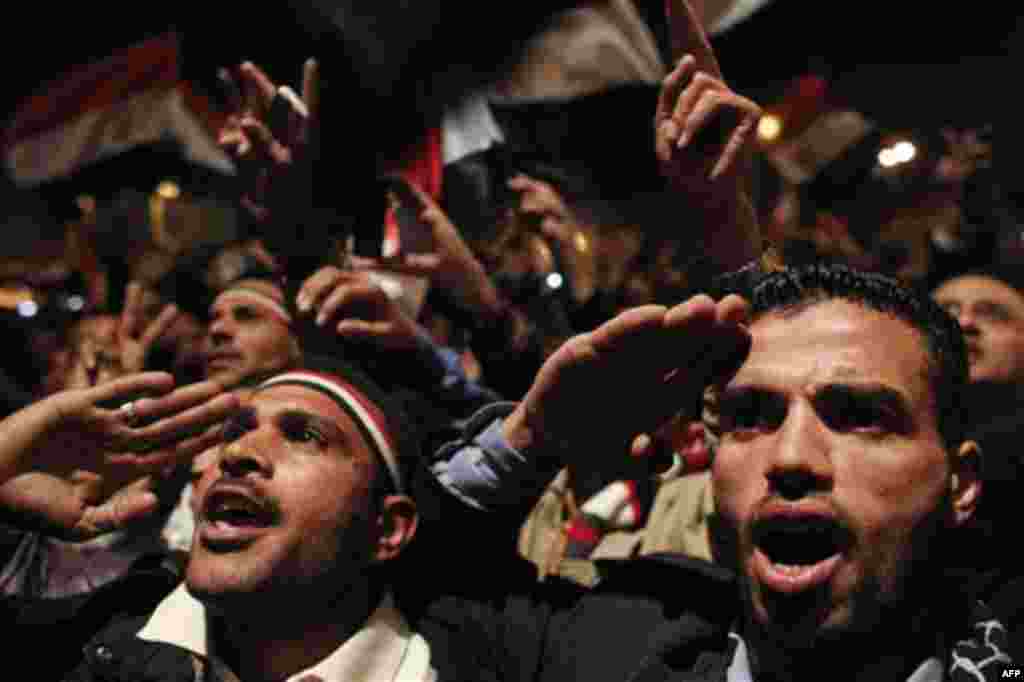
x,y
660,616
486,618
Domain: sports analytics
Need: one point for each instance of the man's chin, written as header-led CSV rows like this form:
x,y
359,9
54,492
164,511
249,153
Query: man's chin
x,y
801,626
212,578
227,377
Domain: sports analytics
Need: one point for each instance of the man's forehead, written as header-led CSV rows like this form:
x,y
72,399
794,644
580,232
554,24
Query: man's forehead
x,y
972,288
292,397
258,293
263,286
259,286
835,341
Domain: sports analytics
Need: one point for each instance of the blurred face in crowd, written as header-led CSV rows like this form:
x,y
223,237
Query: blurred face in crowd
x,y
991,315
249,336
185,339
831,477
289,502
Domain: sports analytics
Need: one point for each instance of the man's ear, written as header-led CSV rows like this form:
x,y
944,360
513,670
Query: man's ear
x,y
965,482
396,526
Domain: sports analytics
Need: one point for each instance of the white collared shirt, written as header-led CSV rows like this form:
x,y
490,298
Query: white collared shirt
x,y
384,650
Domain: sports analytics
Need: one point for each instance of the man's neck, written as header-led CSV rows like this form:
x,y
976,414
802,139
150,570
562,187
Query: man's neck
x,y
890,655
270,646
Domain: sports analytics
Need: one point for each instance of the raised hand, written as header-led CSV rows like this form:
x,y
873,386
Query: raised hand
x,y
452,266
74,465
563,225
539,199
704,141
269,133
705,132
136,334
357,308
630,376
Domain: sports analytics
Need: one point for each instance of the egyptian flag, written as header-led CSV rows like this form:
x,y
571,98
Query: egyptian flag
x,y
131,99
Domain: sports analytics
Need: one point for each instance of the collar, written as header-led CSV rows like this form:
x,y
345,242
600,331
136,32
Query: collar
x,y
930,670
384,650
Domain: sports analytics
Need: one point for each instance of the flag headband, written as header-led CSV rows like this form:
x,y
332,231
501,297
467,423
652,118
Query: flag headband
x,y
259,299
366,415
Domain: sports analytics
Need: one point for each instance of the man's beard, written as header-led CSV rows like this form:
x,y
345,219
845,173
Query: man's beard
x,y
343,567
898,596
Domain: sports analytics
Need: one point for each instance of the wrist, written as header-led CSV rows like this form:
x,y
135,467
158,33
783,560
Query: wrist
x,y
734,235
487,302
22,432
517,431
524,431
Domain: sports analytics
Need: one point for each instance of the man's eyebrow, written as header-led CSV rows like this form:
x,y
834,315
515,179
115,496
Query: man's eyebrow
x,y
993,306
332,430
874,391
877,393
734,393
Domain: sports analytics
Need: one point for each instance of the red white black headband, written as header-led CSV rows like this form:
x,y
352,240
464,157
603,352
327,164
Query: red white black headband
x,y
258,299
366,415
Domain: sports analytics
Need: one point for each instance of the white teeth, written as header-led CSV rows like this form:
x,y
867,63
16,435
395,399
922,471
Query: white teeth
x,y
790,570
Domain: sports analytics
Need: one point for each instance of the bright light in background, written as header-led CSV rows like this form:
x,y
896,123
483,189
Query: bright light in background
x,y
554,280
168,190
899,153
75,303
28,308
769,128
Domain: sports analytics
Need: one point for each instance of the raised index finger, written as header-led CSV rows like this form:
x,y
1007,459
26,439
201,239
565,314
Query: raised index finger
x,y
689,37
311,87
130,386
131,315
259,89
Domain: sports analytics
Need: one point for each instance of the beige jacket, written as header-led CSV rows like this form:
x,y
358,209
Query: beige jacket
x,y
677,523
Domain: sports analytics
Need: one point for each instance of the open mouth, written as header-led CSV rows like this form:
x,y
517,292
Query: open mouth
x,y
230,517
797,552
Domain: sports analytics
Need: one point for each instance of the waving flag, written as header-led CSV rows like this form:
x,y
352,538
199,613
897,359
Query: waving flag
x,y
133,98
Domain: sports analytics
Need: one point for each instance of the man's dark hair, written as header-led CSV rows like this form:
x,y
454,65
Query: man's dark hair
x,y
806,285
1010,275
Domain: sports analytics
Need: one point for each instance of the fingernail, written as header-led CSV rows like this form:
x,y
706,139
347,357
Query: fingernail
x,y
684,137
303,302
320,319
670,129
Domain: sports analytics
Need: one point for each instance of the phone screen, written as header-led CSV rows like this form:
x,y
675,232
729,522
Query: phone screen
x,y
414,235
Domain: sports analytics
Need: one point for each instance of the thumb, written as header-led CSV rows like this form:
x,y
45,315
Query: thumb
x,y
263,139
654,452
122,510
359,328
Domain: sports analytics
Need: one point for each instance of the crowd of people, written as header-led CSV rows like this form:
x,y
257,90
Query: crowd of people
x,y
735,469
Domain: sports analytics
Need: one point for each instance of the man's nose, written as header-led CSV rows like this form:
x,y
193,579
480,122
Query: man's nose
x,y
220,330
968,321
801,464
239,460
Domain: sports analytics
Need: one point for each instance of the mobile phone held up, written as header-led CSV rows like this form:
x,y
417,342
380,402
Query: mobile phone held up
x,y
413,234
